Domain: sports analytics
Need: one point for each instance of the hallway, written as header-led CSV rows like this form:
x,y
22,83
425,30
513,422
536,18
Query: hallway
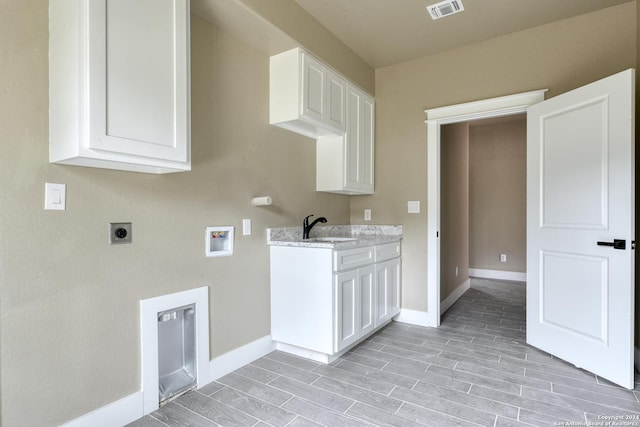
x,y
474,370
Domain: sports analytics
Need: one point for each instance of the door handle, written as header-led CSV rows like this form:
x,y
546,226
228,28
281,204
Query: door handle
x,y
617,244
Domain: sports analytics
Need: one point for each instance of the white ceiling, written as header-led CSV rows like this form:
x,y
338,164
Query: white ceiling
x,y
387,32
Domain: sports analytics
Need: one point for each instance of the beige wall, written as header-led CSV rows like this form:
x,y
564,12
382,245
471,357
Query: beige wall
x,y
69,308
498,194
290,18
454,207
559,56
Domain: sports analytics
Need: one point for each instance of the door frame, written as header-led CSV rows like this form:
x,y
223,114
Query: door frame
x,y
436,117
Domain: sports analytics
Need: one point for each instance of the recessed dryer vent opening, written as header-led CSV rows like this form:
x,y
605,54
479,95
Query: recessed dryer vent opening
x,y
174,335
177,370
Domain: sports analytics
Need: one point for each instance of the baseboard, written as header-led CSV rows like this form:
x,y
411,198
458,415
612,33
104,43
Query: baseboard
x,y
234,359
131,408
512,276
453,296
118,413
415,317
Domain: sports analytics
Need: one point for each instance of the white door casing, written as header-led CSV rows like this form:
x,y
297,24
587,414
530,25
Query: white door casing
x,y
580,191
436,117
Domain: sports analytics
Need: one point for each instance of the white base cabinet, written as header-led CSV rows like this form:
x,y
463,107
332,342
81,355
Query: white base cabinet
x,y
119,84
324,301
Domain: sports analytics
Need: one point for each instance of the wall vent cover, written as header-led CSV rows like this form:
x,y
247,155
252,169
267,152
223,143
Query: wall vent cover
x,y
445,8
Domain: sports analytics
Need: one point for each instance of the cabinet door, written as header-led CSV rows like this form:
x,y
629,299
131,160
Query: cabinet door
x,y
367,280
388,281
336,101
352,137
346,303
366,144
359,142
382,293
313,89
394,288
138,77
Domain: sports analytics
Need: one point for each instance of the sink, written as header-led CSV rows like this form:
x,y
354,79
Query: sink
x,y
332,239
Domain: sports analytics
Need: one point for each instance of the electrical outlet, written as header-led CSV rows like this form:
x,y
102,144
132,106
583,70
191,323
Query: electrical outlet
x,y
503,257
120,233
367,214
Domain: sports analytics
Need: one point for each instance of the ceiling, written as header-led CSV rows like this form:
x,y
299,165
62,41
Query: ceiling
x,y
387,32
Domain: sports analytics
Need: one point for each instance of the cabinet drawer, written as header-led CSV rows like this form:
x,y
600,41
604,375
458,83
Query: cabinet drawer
x,y
352,258
387,251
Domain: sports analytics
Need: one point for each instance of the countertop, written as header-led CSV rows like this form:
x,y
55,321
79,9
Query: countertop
x,y
361,235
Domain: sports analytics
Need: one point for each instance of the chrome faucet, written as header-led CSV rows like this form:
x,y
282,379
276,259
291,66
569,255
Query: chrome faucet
x,y
306,227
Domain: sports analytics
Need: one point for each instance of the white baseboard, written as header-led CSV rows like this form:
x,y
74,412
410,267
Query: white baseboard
x,y
234,359
118,413
512,276
453,296
415,317
130,408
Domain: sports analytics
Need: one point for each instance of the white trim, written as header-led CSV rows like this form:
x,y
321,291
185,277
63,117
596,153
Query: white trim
x,y
234,359
131,408
453,296
416,317
316,356
118,413
495,107
149,309
513,276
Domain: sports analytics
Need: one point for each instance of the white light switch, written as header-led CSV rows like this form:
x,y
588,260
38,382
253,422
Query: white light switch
x,y
413,206
246,227
55,196
367,214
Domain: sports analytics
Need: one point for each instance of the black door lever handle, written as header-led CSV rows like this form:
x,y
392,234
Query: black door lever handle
x,y
617,244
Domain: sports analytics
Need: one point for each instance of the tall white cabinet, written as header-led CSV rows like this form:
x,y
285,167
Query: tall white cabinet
x,y
119,84
345,163
310,98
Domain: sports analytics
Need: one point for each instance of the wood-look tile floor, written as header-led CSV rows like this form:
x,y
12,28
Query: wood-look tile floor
x,y
474,370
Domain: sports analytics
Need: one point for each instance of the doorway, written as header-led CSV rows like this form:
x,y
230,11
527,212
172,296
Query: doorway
x,y
483,203
490,108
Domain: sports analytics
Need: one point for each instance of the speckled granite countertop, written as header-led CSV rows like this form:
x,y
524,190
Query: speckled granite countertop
x,y
335,236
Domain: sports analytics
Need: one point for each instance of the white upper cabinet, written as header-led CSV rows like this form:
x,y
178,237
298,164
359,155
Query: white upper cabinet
x,y
309,98
119,84
344,163
305,96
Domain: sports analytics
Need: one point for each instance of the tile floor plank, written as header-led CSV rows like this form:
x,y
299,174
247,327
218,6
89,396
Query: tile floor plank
x,y
256,389
214,410
321,415
271,414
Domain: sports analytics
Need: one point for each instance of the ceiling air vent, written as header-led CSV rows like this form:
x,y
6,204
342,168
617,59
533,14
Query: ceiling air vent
x,y
445,8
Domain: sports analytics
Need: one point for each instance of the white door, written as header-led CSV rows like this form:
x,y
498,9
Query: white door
x,y
580,199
